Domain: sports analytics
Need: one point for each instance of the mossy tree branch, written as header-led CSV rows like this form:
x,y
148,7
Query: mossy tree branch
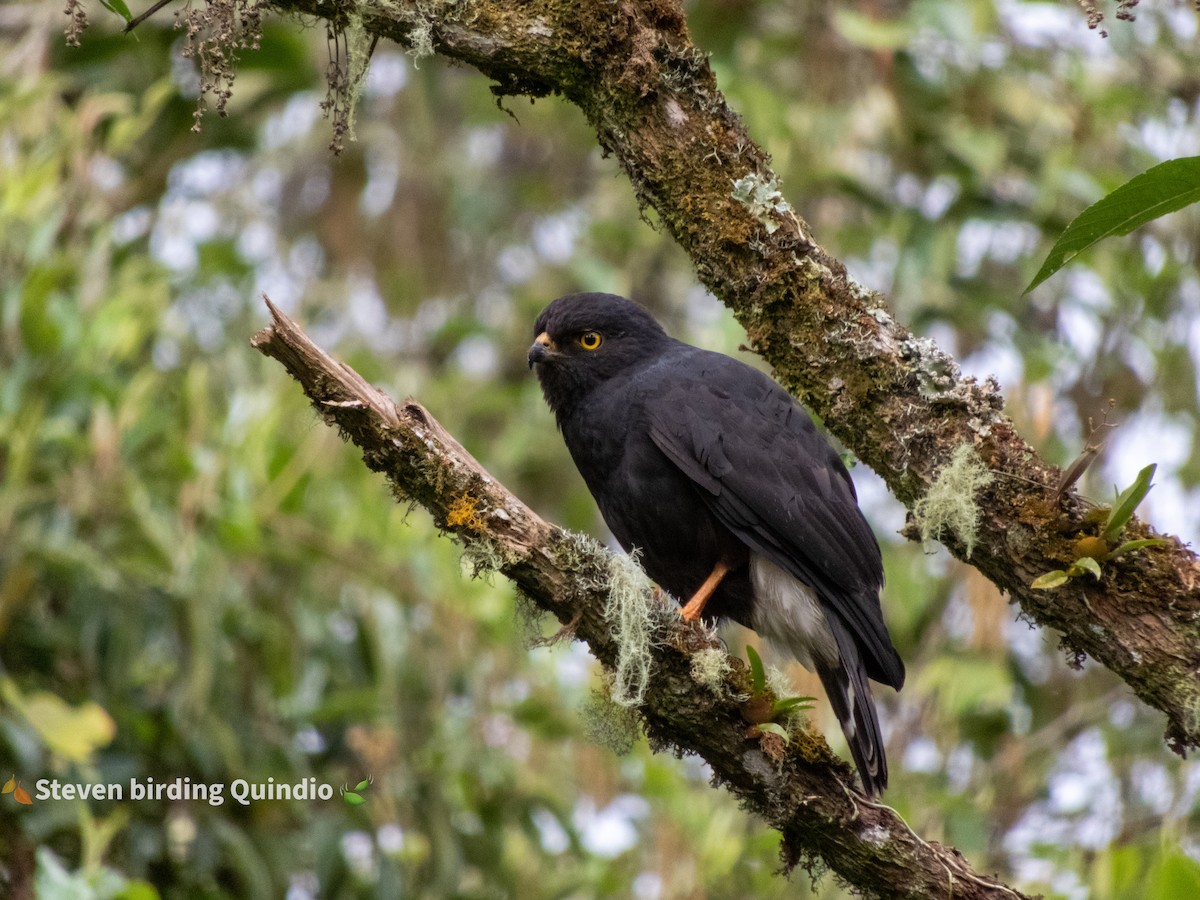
x,y
897,401
801,789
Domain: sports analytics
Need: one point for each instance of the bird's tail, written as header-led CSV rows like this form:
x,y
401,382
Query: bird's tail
x,y
850,696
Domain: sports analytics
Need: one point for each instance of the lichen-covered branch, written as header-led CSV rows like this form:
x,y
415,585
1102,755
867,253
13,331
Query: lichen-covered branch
x,y
800,788
896,400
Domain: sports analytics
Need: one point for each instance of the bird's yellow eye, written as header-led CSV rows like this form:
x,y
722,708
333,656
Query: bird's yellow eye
x,y
590,340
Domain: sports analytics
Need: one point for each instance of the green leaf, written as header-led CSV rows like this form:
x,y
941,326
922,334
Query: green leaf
x,y
118,7
363,785
1175,875
1127,501
353,799
1085,564
789,703
758,675
1130,546
1159,190
1050,580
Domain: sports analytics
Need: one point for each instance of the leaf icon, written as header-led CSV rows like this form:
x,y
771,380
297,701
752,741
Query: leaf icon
x,y
354,799
9,785
362,785
21,795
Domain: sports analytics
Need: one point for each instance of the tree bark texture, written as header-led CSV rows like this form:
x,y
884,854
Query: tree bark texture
x,y
800,788
896,400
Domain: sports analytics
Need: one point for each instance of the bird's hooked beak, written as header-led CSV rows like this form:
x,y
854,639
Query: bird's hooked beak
x,y
543,349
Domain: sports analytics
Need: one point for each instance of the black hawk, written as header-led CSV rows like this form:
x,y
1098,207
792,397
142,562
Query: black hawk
x,y
723,484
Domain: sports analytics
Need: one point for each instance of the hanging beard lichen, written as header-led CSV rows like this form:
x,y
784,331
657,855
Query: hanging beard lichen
x,y
950,503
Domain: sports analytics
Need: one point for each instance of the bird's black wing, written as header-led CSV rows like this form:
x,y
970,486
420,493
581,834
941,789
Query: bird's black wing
x,y
774,481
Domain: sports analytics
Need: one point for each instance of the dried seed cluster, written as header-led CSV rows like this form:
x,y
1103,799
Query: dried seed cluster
x,y
1124,13
339,101
77,21
214,35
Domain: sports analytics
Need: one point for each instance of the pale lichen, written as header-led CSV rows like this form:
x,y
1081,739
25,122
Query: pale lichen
x,y
483,556
794,720
778,683
636,618
709,668
425,16
763,199
950,504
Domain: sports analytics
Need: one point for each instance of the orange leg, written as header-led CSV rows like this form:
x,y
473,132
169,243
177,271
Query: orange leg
x,y
692,611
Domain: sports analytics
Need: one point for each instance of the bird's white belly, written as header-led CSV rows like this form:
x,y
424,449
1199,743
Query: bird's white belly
x,y
788,614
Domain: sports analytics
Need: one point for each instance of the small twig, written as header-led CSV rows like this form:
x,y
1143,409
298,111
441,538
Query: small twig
x,y
564,633
1075,470
138,20
989,883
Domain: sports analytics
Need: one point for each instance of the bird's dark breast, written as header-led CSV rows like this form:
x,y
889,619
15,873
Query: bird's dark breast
x,y
654,508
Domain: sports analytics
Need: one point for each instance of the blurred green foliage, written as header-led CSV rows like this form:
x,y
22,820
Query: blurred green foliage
x,y
198,580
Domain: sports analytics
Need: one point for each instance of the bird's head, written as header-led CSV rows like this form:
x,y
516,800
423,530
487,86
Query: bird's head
x,y
582,340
